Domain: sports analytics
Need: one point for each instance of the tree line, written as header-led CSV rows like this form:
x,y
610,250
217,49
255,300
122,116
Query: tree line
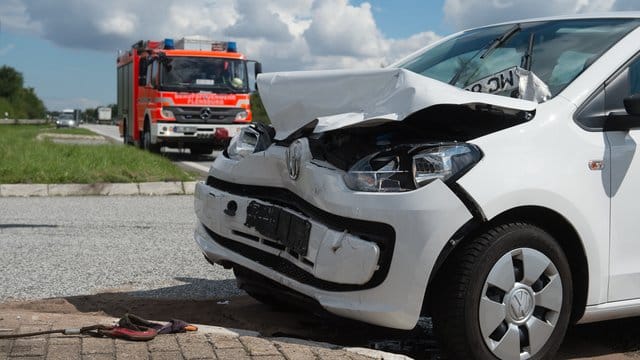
x,y
17,101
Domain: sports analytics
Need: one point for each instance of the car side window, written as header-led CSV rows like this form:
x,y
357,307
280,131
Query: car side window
x,y
609,98
624,84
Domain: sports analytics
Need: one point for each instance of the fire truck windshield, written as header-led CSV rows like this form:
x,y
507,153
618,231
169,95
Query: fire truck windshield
x,y
182,73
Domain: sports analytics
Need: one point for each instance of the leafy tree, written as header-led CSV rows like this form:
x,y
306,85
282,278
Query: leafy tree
x,y
15,99
11,81
257,109
90,114
31,107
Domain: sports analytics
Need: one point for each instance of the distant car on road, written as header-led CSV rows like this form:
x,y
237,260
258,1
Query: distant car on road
x,y
66,120
490,181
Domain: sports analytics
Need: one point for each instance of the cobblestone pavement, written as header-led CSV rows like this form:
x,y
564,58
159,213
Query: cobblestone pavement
x,y
207,343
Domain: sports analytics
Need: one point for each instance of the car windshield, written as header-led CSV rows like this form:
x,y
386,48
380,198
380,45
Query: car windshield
x,y
65,117
493,59
204,74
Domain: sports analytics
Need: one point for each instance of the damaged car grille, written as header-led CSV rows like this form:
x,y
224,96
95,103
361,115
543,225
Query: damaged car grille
x,y
383,235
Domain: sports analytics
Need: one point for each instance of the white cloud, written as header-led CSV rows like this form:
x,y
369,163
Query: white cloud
x,y
121,24
469,13
282,34
338,28
14,15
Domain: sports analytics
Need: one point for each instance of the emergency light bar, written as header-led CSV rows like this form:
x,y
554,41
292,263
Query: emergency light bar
x,y
188,43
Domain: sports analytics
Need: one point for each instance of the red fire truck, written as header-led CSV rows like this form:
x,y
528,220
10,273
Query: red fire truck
x,y
191,93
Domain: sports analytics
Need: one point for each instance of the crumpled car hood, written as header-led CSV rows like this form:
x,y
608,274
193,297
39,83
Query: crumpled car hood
x,y
341,98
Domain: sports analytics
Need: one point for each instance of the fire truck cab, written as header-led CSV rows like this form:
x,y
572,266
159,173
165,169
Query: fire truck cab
x,y
192,93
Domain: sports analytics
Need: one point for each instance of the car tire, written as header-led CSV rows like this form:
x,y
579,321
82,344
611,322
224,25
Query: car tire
x,y
506,294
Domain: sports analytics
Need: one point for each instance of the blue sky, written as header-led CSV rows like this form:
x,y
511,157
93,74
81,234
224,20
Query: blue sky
x,y
66,49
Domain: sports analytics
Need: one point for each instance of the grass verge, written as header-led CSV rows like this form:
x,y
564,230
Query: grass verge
x,y
24,159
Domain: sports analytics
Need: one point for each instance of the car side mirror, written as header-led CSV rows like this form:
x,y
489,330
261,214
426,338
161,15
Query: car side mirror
x,y
625,121
257,68
632,104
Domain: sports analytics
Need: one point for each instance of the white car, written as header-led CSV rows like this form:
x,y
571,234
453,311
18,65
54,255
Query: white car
x,y
490,181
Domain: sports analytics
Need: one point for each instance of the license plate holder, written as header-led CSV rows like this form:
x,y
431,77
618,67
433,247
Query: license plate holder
x,y
278,224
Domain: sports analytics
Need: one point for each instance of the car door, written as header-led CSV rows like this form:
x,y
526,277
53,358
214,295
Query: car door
x,y
624,262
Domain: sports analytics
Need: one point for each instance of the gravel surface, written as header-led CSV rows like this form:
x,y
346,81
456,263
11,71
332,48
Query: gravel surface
x,y
67,246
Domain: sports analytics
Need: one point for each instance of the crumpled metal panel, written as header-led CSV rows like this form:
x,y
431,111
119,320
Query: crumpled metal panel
x,y
340,98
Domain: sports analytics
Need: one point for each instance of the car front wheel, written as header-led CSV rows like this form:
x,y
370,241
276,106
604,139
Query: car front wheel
x,y
506,294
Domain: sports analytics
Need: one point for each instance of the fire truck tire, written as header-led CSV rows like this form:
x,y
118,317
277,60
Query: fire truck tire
x,y
125,132
201,150
146,141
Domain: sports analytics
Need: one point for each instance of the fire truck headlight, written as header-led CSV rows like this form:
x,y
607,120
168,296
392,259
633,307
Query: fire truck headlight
x,y
167,113
241,116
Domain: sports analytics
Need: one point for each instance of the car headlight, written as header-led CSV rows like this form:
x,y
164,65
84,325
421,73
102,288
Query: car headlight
x,y
243,144
408,167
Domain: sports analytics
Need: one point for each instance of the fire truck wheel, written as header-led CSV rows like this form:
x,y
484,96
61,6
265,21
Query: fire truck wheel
x,y
201,150
146,142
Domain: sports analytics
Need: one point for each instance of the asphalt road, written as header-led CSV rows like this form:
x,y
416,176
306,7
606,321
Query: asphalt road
x,y
66,246
200,163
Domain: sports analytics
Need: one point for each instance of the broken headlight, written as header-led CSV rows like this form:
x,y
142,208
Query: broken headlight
x,y
408,167
254,138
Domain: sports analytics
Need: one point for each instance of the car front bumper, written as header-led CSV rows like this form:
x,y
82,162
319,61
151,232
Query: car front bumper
x,y
369,255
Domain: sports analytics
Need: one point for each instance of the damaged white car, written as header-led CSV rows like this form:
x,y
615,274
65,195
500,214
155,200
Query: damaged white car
x,y
490,181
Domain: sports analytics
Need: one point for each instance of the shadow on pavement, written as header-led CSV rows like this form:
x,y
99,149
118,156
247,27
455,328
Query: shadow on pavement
x,y
189,302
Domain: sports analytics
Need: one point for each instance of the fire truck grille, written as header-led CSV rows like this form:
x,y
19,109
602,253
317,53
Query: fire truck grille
x,y
204,115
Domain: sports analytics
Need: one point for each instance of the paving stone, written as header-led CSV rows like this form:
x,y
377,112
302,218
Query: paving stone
x,y
329,354
274,357
128,350
295,351
97,357
5,348
235,353
258,346
166,343
5,345
195,346
65,341
97,346
29,347
166,355
225,342
34,328
63,352
354,356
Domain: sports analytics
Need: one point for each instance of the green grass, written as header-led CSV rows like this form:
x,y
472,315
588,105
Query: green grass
x,y
23,159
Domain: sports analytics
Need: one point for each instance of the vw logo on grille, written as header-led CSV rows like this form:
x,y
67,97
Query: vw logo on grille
x,y
294,158
205,113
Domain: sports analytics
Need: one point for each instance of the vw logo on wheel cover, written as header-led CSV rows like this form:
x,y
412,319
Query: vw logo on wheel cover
x,y
294,158
205,113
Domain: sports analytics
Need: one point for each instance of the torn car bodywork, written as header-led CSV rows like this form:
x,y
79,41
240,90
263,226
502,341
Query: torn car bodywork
x,y
373,97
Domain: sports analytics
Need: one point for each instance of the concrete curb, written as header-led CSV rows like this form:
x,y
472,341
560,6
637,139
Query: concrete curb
x,y
99,189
